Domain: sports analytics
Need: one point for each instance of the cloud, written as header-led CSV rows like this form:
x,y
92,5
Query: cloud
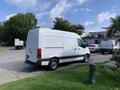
x,y
74,10
9,16
85,10
61,7
24,4
102,20
88,10
42,6
41,14
104,16
88,23
57,8
82,1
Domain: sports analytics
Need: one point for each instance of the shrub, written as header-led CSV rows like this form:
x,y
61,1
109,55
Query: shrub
x,y
116,57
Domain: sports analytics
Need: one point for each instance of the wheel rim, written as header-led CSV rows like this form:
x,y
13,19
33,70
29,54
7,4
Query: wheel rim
x,y
86,58
54,65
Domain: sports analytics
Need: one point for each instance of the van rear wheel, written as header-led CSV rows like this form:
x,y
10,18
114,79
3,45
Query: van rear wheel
x,y
53,65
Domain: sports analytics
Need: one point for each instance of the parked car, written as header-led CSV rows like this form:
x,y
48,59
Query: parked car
x,y
109,46
94,47
48,47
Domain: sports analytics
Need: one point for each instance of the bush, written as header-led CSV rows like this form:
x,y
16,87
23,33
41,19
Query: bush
x,y
18,27
116,57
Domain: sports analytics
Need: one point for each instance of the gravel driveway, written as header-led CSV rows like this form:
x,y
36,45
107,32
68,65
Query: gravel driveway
x,y
12,66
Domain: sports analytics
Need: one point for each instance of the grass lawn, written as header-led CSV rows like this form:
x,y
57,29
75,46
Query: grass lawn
x,y
73,78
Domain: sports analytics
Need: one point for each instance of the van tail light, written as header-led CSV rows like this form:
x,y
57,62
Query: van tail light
x,y
39,53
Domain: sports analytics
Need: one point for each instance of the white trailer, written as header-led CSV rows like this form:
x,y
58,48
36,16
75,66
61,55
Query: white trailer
x,y
18,43
48,47
109,46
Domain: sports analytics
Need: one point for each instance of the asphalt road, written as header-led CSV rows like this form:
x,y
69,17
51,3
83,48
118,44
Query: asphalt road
x,y
12,66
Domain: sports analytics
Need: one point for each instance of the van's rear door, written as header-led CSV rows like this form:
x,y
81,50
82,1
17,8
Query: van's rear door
x,y
32,46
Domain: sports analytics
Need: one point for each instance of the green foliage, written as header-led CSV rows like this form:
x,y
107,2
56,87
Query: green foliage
x,y
64,25
1,32
114,29
18,27
116,57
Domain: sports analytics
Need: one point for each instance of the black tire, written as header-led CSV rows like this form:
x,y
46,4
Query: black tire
x,y
111,52
16,47
86,58
103,52
53,65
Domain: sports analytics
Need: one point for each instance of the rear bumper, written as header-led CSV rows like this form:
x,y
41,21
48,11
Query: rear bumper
x,y
29,62
106,50
40,62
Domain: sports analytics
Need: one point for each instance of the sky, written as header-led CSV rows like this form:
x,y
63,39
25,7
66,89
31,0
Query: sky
x,y
92,14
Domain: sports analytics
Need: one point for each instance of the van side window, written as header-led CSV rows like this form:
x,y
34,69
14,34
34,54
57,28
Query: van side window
x,y
79,42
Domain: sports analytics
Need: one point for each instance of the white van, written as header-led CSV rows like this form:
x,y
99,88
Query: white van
x,y
19,44
48,47
109,46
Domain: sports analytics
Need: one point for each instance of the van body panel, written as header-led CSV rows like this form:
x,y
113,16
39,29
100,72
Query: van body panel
x,y
32,45
54,43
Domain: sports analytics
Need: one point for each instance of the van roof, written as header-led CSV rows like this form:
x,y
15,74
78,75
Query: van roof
x,y
54,30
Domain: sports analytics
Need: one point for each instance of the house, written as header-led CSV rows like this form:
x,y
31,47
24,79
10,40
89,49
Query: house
x,y
95,37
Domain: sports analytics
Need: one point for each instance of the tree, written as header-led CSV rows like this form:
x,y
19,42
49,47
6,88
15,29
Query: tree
x,y
1,32
64,25
77,28
18,27
114,29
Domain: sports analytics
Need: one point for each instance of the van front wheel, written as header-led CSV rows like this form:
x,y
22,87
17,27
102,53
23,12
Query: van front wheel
x,y
53,65
86,58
